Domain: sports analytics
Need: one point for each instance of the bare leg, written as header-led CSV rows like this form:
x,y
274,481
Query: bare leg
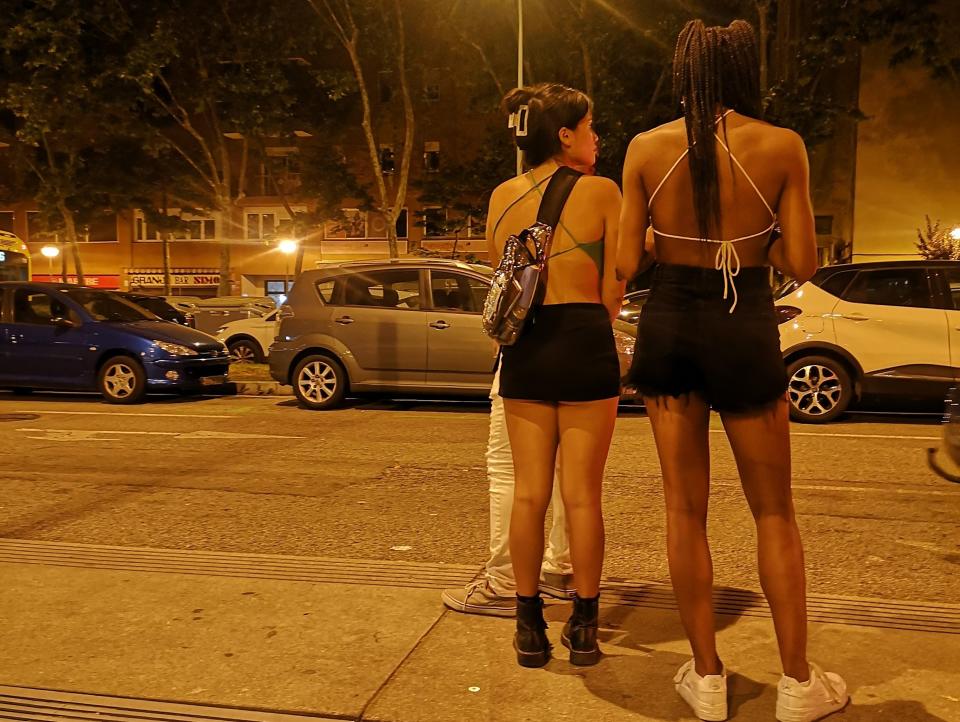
x,y
585,432
681,430
532,427
761,446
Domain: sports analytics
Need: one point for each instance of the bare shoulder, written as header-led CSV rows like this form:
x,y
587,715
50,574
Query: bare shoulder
x,y
656,139
600,185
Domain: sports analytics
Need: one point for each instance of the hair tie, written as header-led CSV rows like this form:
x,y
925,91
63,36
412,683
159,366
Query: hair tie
x,y
518,120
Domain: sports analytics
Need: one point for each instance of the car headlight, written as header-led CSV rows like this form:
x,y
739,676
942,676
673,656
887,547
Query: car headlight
x,y
625,342
174,349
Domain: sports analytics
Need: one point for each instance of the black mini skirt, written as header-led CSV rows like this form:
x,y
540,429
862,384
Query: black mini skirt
x,y
565,353
688,341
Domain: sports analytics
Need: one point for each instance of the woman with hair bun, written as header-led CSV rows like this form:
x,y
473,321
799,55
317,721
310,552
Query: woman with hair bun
x,y
560,381
713,185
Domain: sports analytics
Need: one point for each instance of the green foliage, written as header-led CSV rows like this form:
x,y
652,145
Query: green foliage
x,y
937,243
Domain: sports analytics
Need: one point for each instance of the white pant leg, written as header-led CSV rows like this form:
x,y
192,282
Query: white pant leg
x,y
501,480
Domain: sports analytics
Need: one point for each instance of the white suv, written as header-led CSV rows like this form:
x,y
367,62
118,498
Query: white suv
x,y
865,329
249,339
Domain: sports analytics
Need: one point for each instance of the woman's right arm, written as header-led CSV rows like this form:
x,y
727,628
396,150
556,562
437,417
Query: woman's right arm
x,y
634,214
795,252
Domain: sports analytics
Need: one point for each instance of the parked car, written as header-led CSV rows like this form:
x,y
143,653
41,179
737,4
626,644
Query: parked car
x,y
632,305
885,329
60,336
405,326
249,339
159,306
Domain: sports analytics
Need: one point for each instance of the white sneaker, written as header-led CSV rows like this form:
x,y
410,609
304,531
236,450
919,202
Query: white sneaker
x,y
822,694
707,696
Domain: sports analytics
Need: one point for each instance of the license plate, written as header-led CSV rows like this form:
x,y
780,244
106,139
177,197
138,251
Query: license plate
x,y
212,380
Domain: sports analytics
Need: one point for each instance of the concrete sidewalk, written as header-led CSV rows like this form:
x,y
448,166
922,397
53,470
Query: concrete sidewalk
x,y
113,633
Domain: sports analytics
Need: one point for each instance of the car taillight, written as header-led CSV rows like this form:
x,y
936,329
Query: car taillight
x,y
787,313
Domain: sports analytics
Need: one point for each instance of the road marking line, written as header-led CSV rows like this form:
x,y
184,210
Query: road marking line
x,y
850,436
858,489
87,433
122,413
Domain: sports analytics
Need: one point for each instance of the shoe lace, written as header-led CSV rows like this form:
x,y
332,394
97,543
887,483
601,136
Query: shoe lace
x,y
474,586
825,681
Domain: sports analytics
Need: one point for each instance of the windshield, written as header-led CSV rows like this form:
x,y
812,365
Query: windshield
x,y
108,307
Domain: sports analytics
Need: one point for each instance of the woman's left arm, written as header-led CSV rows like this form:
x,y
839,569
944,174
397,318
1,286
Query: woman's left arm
x,y
611,289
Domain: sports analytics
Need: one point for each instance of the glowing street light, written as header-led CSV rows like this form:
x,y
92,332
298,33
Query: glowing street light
x,y
955,233
50,252
287,247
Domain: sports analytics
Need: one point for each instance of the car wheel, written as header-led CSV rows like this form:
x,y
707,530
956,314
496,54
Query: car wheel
x,y
319,383
122,381
245,351
820,389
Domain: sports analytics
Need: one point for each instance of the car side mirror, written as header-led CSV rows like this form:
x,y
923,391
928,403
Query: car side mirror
x,y
62,322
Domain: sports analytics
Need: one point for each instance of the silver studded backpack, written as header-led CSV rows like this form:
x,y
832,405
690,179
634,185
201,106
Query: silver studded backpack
x,y
519,281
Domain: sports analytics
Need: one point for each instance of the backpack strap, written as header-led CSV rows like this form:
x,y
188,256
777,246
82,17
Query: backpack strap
x,y
556,194
551,206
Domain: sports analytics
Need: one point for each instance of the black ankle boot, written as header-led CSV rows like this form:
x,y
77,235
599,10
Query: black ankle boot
x,y
530,641
580,632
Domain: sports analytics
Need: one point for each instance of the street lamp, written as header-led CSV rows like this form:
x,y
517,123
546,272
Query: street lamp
x,y
287,247
955,233
50,252
519,70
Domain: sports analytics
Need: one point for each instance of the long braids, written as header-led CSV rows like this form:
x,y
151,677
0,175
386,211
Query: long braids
x,y
713,68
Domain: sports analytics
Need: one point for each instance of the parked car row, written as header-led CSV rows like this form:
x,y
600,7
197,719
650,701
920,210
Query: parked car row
x,y
412,326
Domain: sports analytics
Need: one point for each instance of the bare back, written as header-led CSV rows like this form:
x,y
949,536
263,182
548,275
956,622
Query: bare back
x,y
583,257
766,179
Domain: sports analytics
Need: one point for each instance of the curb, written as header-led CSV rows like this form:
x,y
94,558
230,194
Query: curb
x,y
258,388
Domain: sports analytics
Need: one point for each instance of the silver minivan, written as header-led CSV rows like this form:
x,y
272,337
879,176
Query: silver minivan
x,y
402,326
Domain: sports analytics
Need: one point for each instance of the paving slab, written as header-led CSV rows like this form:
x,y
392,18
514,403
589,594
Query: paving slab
x,y
322,649
465,669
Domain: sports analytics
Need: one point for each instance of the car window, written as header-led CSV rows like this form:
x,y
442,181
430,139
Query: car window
x,y
326,288
837,283
457,291
109,307
953,287
392,288
891,287
37,308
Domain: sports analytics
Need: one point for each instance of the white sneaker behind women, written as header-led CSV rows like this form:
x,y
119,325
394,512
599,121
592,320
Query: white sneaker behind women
x,y
822,694
707,696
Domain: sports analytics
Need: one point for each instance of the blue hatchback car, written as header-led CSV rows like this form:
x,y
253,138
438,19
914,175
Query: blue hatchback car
x,y
58,336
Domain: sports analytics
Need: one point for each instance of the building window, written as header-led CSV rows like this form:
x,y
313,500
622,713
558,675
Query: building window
x,y
6,221
431,156
261,226
101,230
189,228
402,225
434,222
823,225
388,163
352,224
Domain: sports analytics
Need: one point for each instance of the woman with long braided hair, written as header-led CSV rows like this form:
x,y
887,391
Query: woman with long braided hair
x,y
713,185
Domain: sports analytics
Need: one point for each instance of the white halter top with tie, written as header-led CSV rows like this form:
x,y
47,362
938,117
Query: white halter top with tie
x,y
728,262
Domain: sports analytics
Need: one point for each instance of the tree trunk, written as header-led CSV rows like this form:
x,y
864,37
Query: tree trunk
x,y
763,13
228,216
63,258
71,228
167,285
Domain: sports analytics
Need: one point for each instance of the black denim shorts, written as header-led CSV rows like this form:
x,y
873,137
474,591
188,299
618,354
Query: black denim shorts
x,y
689,342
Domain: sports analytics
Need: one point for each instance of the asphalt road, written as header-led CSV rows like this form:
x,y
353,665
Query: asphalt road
x,y
406,480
